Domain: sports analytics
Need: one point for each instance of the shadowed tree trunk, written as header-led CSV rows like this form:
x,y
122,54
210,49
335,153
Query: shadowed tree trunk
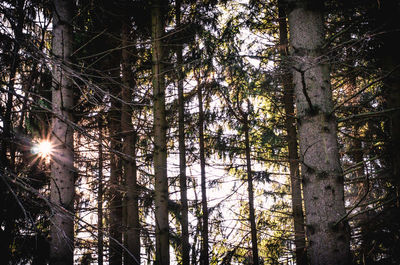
x,y
100,226
160,130
115,204
327,233
204,258
290,125
182,149
389,62
114,127
62,167
129,163
252,218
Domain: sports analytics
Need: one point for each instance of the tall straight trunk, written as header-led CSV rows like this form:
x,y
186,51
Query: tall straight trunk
x,y
295,181
62,167
392,97
132,240
252,218
160,131
182,150
115,195
198,226
115,200
327,232
389,62
204,258
100,196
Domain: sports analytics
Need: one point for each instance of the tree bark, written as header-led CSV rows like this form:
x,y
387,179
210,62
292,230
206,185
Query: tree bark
x,y
389,62
100,246
160,130
327,233
182,149
252,218
115,194
290,121
204,258
129,163
62,167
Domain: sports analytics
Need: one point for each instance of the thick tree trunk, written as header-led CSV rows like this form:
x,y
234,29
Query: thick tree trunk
x,y
389,62
328,234
160,130
290,125
129,163
62,167
252,218
182,150
204,258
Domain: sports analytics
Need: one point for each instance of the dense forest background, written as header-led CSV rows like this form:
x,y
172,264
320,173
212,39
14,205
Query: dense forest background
x,y
199,132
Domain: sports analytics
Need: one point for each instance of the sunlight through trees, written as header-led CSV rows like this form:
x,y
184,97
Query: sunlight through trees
x,y
199,132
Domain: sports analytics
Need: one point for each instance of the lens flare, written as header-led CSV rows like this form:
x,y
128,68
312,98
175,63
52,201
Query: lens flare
x,y
43,149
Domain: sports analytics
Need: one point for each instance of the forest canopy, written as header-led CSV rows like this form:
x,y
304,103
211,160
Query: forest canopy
x,y
199,132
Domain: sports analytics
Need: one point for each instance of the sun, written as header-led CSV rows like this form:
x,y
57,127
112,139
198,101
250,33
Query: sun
x,y
43,149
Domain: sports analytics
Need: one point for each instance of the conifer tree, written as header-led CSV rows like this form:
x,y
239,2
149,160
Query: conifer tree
x,y
160,131
62,170
327,231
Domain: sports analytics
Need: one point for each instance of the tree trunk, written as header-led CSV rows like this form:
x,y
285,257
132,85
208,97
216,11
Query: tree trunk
x,y
115,195
129,163
252,218
62,167
160,130
290,121
204,258
100,195
390,63
182,149
327,233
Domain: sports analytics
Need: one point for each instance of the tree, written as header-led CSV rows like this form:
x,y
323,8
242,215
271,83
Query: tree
x,y
290,121
182,146
327,231
204,257
252,218
100,237
129,149
114,127
160,131
62,170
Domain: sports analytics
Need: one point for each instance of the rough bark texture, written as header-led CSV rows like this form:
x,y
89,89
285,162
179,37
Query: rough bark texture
x,y
132,240
62,167
290,125
204,258
252,218
160,130
182,150
321,170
